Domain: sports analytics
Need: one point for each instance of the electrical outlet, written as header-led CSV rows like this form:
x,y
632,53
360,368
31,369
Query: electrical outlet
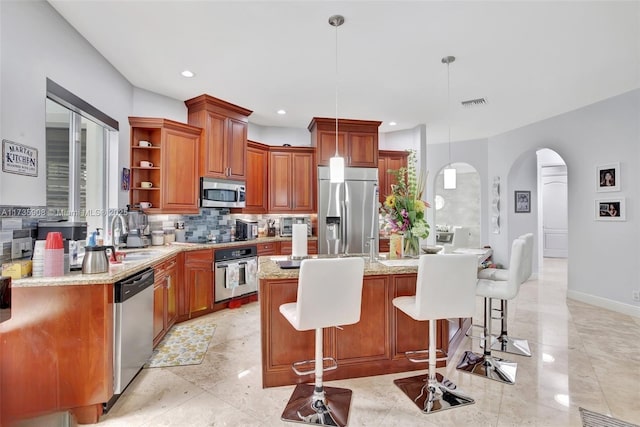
x,y
635,295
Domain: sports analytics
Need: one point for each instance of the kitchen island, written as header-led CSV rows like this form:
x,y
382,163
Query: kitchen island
x,y
373,346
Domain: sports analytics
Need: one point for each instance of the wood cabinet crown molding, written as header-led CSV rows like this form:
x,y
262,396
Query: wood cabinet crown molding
x,y
346,125
209,103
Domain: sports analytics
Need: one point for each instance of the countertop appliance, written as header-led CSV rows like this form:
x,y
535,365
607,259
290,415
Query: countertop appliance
x,y
246,230
286,224
138,235
74,234
348,212
236,272
133,329
222,193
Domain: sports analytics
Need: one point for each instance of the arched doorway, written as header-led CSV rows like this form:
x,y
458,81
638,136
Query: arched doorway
x,y
553,223
458,207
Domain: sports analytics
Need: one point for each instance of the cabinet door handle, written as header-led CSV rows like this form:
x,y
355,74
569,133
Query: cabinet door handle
x,y
168,282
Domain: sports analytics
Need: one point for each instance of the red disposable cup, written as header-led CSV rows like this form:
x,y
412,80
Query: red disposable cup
x,y
54,240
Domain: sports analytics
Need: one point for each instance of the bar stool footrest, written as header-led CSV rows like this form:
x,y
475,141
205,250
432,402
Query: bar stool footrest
x,y
410,355
296,366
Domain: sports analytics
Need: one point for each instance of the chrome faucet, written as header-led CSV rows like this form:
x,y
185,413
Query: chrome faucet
x,y
121,223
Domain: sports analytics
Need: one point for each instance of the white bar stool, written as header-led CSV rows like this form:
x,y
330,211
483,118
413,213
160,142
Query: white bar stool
x,y
486,365
446,287
329,294
504,342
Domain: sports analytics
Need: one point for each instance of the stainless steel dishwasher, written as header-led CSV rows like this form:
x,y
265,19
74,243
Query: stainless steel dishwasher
x,y
133,328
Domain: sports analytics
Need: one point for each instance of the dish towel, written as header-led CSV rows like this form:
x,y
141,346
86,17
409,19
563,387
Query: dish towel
x,y
251,272
233,276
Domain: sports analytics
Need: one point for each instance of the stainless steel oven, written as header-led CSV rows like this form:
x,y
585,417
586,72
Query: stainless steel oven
x,y
236,272
221,193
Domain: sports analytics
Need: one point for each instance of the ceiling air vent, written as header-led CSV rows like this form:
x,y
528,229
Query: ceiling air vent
x,y
474,102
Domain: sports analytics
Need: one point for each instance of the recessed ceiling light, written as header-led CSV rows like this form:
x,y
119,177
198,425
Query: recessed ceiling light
x,y
392,123
187,73
282,112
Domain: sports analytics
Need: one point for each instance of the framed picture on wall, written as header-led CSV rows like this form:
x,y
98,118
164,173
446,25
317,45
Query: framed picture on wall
x,y
523,201
608,177
610,209
126,179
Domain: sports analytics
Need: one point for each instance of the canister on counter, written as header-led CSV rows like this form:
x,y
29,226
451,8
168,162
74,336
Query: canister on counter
x,y
157,238
169,235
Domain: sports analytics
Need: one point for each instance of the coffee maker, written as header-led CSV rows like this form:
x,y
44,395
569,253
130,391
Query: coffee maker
x,y
138,236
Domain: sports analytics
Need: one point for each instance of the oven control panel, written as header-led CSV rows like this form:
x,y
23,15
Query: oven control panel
x,y
239,252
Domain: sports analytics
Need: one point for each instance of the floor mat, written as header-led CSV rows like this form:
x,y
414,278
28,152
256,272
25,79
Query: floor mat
x,y
184,344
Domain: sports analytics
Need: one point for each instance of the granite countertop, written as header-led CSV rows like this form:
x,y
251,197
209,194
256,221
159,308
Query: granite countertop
x,y
120,271
269,269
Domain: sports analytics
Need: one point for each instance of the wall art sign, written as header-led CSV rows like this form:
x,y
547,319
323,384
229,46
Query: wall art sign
x,y
523,201
19,159
612,209
608,177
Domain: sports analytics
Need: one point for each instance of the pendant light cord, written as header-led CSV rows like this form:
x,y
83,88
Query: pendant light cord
x,y
449,111
336,90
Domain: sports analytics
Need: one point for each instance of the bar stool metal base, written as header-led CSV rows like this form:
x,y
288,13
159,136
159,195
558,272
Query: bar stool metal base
x,y
443,394
488,367
511,345
301,407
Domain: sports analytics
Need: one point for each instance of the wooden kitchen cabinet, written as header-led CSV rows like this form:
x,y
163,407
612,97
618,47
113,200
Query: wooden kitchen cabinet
x,y
383,245
286,247
357,141
224,142
199,280
257,196
292,179
388,159
174,158
269,248
164,298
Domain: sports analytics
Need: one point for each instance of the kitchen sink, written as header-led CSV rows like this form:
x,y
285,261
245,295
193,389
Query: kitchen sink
x,y
141,255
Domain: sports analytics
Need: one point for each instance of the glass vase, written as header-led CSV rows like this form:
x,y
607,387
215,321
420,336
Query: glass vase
x,y
411,245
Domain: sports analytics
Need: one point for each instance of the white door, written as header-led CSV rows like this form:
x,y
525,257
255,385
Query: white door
x,y
554,212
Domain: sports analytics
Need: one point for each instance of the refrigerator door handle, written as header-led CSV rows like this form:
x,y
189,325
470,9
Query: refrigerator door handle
x,y
345,236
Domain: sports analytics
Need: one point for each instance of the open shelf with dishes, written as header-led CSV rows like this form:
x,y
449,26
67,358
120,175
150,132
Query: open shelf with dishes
x,y
163,164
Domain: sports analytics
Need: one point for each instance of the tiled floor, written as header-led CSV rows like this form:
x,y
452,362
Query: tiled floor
x,y
583,356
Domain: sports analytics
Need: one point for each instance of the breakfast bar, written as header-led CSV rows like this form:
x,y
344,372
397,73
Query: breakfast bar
x,y
373,346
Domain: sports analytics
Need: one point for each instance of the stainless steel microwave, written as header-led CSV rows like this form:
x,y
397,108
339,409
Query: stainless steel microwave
x,y
220,193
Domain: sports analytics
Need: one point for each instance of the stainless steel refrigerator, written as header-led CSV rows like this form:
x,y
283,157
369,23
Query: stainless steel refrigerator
x,y
348,212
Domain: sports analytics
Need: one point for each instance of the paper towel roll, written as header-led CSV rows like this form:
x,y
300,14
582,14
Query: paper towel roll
x,y
299,241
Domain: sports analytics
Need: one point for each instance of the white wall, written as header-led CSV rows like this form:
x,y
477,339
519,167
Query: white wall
x,y
272,135
601,254
151,104
36,44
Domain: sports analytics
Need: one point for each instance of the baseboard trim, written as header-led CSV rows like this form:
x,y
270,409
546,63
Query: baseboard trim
x,y
631,310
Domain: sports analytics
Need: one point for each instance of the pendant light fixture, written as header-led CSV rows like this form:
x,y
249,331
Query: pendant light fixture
x,y
336,163
449,171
